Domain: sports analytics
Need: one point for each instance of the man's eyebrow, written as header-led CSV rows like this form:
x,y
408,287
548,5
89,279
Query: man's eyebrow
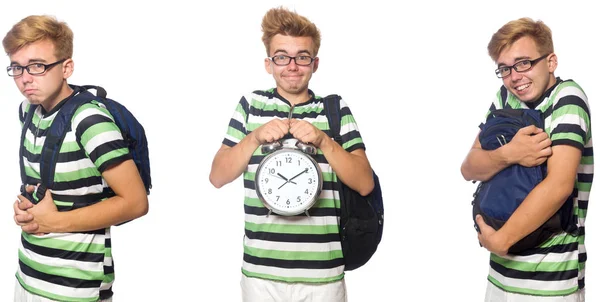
x,y
299,52
34,60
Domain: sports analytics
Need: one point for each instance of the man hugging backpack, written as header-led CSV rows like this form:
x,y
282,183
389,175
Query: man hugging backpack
x,y
497,198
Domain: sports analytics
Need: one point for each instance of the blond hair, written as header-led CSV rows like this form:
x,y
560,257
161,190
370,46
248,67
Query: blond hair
x,y
37,28
516,29
282,21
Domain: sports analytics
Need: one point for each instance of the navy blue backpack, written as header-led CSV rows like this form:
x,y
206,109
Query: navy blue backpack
x,y
497,198
132,131
361,217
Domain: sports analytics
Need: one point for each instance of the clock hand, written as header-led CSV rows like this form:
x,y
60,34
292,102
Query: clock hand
x,y
281,177
303,171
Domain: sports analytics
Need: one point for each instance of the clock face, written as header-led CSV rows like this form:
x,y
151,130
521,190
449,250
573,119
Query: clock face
x,y
288,181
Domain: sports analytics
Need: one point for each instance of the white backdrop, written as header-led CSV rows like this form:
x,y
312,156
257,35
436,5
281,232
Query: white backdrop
x,y
416,76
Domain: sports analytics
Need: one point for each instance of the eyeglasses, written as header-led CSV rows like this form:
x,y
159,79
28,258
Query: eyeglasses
x,y
32,69
283,60
520,66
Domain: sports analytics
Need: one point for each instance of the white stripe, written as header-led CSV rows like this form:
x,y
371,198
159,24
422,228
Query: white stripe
x,y
62,263
73,166
102,138
571,90
583,195
81,191
79,238
292,220
58,289
586,169
292,246
294,273
569,118
31,139
534,284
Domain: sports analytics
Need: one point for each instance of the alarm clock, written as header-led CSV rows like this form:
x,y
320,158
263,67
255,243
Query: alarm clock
x,y
288,180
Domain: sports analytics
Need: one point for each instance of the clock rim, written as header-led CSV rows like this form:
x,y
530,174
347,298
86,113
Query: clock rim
x,y
309,204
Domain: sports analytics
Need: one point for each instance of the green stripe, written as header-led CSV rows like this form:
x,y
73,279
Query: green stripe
x,y
31,172
587,160
352,142
235,133
293,279
536,267
69,147
96,129
292,229
52,296
110,155
562,239
293,255
75,175
584,186
96,248
533,292
68,272
63,203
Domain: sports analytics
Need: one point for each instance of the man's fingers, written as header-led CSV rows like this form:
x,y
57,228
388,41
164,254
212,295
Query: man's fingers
x,y
529,130
23,203
30,228
22,219
29,189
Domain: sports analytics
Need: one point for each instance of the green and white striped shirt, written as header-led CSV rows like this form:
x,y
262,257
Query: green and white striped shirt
x,y
557,267
71,266
297,248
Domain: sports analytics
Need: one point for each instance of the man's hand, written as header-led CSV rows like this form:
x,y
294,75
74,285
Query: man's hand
x,y
530,147
20,207
40,214
306,132
271,131
490,238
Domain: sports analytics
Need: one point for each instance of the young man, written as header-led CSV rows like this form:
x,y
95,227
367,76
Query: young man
x,y
66,255
524,53
291,258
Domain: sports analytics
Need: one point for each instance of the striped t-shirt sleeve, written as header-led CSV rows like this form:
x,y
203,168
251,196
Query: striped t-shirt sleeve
x,y
236,130
99,136
570,123
351,139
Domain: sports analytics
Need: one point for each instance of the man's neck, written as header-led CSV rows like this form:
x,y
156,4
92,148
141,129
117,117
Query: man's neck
x,y
64,92
296,98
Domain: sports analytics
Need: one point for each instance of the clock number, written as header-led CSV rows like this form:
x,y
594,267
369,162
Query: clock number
x,y
278,164
270,191
277,197
287,202
272,171
310,181
298,199
266,180
288,160
305,192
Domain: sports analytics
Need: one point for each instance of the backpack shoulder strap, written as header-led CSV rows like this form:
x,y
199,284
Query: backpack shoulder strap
x,y
331,104
55,137
26,124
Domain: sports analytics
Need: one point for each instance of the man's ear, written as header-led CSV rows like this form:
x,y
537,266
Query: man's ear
x,y
268,66
315,64
68,68
552,62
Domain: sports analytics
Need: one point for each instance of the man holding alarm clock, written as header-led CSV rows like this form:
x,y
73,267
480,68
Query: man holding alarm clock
x,y
292,248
